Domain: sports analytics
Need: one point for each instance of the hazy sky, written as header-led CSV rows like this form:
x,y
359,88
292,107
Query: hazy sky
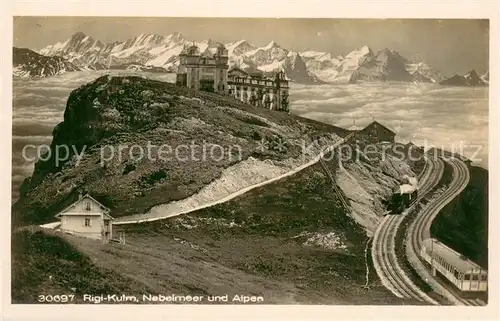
x,y
452,46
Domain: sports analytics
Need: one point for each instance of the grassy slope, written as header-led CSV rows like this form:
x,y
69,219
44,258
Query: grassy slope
x,y
254,244
463,223
44,263
265,240
250,245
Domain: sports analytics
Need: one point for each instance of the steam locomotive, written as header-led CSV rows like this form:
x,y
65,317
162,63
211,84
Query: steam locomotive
x,y
402,198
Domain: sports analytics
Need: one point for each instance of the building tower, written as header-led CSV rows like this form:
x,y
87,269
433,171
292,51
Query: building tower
x,y
221,66
205,71
281,85
188,73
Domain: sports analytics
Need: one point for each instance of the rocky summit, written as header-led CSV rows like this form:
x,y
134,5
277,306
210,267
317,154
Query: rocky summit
x,y
101,146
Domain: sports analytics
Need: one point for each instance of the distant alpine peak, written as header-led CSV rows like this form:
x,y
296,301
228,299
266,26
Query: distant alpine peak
x,y
239,43
176,36
239,48
421,64
149,38
365,49
272,44
387,50
149,35
387,53
78,36
472,73
212,43
360,52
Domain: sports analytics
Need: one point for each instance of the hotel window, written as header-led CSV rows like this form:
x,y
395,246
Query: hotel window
x,y
88,206
87,222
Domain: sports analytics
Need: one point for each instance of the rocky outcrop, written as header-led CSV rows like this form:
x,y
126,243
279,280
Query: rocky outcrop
x,y
470,79
29,64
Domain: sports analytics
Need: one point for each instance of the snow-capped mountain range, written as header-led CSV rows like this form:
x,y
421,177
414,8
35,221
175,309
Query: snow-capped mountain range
x,y
153,52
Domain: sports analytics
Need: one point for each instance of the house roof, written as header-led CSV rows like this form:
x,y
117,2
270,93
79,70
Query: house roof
x,y
461,263
87,195
379,124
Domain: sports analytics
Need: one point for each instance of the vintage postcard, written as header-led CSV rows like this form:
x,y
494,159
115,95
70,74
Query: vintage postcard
x,y
312,161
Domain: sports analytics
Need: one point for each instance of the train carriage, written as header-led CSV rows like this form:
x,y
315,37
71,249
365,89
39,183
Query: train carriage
x,y
403,197
466,275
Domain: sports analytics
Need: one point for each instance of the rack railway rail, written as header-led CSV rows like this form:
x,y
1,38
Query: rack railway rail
x,y
384,256
419,233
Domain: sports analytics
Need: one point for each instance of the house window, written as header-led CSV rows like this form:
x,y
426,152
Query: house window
x,y
87,222
87,206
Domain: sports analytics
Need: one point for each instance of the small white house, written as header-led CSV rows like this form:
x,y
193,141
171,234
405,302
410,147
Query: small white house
x,y
87,217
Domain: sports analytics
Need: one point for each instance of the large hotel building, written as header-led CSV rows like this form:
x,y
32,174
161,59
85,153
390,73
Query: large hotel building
x,y
209,71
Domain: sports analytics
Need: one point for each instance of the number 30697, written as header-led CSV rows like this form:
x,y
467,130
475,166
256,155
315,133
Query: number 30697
x,y
65,298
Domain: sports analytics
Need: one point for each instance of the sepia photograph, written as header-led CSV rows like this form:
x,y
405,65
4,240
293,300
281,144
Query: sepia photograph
x,y
249,161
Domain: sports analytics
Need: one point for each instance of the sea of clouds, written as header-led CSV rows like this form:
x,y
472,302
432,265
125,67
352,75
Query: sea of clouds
x,y
38,106
425,114
441,115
